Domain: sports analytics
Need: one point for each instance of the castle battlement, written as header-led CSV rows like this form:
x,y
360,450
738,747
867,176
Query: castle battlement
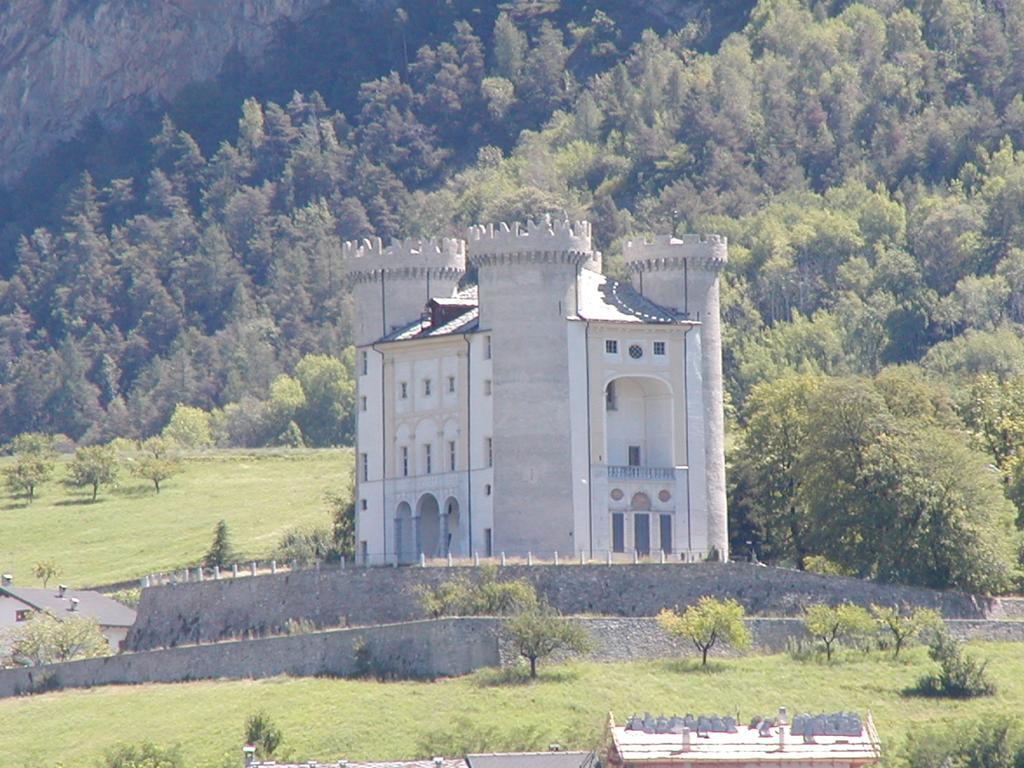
x,y
671,252
559,235
413,255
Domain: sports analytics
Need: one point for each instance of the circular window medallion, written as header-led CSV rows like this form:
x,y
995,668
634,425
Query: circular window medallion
x,y
664,496
617,494
636,351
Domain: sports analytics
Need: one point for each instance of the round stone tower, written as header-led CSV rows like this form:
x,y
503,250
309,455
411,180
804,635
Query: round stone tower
x,y
682,273
392,285
528,283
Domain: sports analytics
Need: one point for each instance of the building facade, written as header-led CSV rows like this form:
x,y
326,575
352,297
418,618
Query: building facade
x,y
547,408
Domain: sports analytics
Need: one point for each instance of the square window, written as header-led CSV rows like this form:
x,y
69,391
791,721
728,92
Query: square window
x,y
611,347
487,348
364,465
487,386
405,461
451,383
487,489
365,360
489,446
451,455
362,403
426,387
427,459
403,390
659,347
362,504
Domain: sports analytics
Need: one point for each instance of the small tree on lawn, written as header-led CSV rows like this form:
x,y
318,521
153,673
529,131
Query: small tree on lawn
x,y
220,552
707,624
44,639
905,628
45,570
94,466
33,464
156,464
539,632
261,732
829,624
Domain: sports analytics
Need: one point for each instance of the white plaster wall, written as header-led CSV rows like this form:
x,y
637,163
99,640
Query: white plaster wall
x,y
579,419
370,523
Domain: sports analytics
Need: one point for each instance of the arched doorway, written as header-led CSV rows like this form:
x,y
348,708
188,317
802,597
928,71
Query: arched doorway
x,y
405,541
638,422
451,530
428,528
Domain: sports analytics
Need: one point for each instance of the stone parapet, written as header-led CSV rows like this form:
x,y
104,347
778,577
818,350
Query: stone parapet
x,y
663,252
413,257
546,240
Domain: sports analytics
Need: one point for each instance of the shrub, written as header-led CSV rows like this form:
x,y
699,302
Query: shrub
x,y
487,596
960,675
539,632
831,624
305,545
707,624
144,755
261,732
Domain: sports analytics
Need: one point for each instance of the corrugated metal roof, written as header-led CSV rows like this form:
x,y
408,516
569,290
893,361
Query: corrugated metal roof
x,y
93,605
530,760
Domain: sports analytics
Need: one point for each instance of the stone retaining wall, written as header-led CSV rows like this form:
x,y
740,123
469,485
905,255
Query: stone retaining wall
x,y
216,610
419,649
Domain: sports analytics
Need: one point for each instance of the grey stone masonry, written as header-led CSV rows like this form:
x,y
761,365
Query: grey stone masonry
x,y
254,606
413,650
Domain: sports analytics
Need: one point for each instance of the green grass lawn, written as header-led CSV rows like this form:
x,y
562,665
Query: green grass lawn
x,y
328,719
131,530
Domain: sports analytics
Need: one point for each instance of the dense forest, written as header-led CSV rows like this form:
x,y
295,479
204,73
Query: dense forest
x,y
866,160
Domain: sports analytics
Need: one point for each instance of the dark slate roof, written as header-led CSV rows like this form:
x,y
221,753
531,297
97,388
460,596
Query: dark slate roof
x,y
531,760
93,605
602,298
466,322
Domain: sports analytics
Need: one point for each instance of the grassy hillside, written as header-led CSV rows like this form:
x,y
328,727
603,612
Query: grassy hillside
x,y
329,719
131,530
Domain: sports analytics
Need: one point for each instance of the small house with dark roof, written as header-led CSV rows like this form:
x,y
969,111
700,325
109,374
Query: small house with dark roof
x,y
547,408
17,604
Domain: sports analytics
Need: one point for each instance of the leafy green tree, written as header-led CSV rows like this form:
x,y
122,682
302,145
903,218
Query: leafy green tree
x,y
156,464
144,755
537,633
94,466
189,427
831,624
708,623
221,553
904,627
33,464
510,46
766,463
262,733
326,415
45,570
44,639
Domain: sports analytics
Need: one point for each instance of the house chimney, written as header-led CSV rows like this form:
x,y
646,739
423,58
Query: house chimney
x,y
438,762
249,754
686,739
782,716
74,604
61,589
554,747
6,580
782,737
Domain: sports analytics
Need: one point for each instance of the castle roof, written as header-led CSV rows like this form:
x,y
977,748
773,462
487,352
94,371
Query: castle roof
x,y
601,298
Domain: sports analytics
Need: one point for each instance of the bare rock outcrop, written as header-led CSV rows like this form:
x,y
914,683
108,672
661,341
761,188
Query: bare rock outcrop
x,y
62,60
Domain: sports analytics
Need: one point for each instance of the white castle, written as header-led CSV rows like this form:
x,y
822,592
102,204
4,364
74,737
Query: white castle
x,y
547,409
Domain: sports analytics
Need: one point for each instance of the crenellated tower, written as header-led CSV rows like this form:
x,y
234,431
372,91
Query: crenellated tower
x,y
529,283
391,285
682,273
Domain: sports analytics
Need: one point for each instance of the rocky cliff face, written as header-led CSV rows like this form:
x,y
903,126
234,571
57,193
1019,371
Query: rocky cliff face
x,y
62,60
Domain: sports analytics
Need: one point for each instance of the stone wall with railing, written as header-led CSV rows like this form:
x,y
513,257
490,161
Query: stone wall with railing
x,y
215,610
